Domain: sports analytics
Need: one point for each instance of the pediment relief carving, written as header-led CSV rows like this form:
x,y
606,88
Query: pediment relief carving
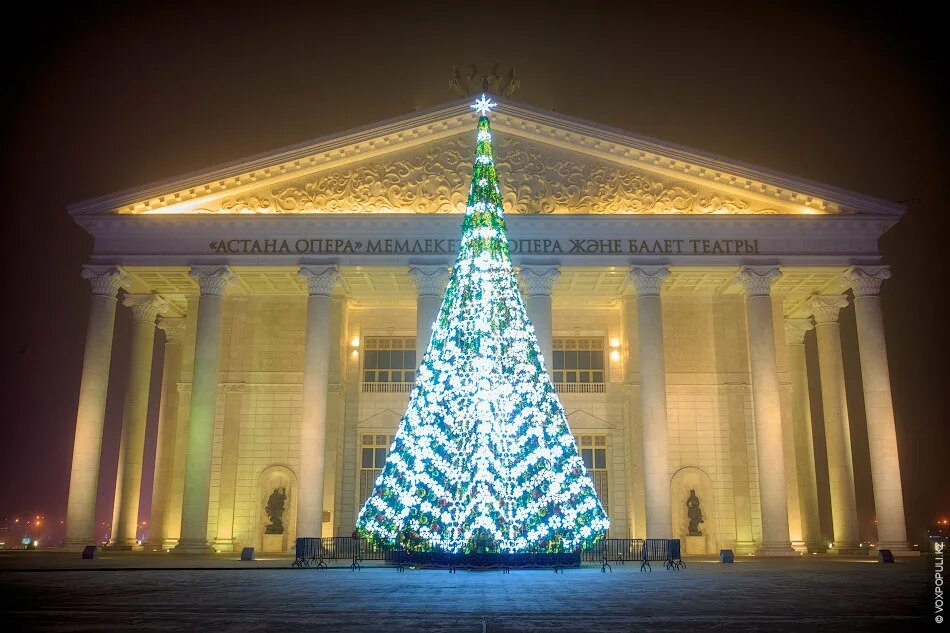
x,y
536,178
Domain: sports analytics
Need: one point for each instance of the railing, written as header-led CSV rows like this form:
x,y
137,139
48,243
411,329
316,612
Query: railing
x,y
387,387
617,549
561,387
612,550
580,387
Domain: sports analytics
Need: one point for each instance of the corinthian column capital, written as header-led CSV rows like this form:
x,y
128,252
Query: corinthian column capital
x,y
106,280
539,280
825,308
757,280
175,329
321,280
430,281
212,280
795,330
865,281
145,308
647,280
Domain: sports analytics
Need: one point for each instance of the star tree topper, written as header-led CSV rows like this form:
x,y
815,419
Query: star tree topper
x,y
483,105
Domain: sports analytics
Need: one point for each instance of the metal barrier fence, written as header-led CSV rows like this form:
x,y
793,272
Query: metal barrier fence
x,y
314,551
617,549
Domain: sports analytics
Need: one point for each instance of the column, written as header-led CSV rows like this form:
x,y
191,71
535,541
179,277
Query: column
x,y
224,540
175,331
865,282
313,426
633,434
212,282
90,416
128,482
647,281
803,439
430,282
538,281
766,406
844,514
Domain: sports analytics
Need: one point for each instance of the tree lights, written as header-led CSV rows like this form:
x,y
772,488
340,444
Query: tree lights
x,y
484,452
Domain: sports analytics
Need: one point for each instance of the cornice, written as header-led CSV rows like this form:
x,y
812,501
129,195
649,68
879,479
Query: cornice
x,y
805,224
518,119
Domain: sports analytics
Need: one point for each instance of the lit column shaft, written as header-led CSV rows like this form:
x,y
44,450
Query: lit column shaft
x,y
773,497
804,440
865,282
90,416
430,282
538,281
633,435
213,281
647,281
313,428
175,331
128,484
844,514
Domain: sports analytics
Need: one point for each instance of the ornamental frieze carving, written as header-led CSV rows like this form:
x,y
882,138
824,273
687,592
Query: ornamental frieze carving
x,y
535,179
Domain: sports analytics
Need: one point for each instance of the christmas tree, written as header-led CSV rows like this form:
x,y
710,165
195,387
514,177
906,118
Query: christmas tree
x,y
484,452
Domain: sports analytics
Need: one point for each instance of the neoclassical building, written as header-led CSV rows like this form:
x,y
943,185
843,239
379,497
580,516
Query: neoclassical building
x,y
671,291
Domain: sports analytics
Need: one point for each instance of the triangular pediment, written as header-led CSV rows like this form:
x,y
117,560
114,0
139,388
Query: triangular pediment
x,y
548,164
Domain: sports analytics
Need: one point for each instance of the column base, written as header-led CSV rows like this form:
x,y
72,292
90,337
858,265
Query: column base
x,y
188,546
816,548
222,545
156,545
745,548
776,549
799,547
847,549
123,545
74,545
898,548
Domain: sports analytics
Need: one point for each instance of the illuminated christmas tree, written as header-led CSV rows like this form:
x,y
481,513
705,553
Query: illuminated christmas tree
x,y
483,452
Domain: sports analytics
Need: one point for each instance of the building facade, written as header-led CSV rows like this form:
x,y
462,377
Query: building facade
x,y
671,291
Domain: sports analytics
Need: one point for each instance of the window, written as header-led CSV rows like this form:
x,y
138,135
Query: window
x,y
579,360
389,359
593,450
373,449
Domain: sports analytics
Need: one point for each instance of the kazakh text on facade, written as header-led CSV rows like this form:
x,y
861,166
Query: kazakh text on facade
x,y
386,246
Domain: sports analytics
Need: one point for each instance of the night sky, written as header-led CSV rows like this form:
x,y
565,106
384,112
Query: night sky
x,y
108,96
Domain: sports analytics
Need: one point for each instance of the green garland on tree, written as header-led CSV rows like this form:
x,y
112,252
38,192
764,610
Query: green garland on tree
x,y
484,452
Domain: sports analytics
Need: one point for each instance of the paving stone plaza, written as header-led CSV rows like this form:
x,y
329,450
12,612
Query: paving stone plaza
x,y
123,592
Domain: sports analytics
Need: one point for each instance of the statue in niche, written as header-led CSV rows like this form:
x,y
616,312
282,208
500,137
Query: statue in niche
x,y
275,511
694,513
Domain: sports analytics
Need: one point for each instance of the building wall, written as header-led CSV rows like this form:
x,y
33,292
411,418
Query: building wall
x,y
711,428
257,424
